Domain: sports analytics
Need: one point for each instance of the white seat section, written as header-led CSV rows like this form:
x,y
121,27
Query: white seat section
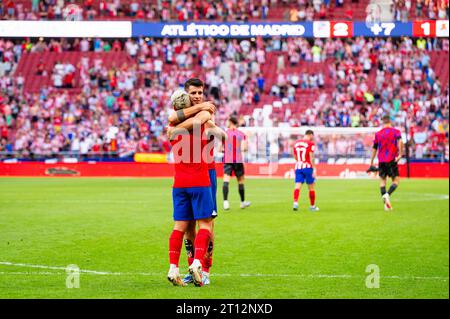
x,y
256,112
267,122
277,104
267,111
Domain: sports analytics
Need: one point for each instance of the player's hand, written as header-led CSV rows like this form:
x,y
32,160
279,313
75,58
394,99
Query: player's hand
x,y
372,169
208,106
210,124
398,158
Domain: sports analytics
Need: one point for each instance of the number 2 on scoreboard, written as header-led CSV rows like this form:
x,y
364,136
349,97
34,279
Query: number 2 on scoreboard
x,y
342,29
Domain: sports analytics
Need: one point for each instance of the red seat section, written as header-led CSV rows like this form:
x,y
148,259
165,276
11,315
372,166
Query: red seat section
x,y
28,64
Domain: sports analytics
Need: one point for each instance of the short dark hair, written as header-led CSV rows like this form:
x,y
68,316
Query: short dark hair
x,y
233,120
309,132
193,82
386,119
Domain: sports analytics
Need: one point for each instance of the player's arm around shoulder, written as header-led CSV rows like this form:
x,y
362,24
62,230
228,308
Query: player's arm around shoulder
x,y
179,116
199,119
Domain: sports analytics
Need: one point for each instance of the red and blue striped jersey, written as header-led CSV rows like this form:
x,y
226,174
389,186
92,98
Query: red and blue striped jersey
x,y
233,151
302,153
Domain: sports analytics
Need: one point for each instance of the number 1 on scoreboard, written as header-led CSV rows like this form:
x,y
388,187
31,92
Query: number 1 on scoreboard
x,y
424,28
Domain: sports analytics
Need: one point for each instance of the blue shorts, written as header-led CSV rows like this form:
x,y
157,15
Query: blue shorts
x,y
213,180
192,203
304,174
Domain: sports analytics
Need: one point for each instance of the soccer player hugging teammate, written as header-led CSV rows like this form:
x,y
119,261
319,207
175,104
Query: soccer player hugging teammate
x,y
191,109
235,144
389,145
304,169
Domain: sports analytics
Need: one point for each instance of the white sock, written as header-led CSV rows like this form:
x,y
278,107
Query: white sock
x,y
173,267
196,263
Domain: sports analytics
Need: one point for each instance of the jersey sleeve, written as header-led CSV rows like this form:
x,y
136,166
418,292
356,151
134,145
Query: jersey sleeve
x,y
375,141
294,150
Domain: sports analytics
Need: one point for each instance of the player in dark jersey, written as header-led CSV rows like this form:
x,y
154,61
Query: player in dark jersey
x,y
194,91
389,146
236,143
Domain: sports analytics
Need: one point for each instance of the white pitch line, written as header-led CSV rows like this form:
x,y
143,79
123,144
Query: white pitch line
x,y
413,197
108,273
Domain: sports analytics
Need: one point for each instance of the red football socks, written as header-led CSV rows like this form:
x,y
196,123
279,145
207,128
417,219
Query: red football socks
x,y
208,259
175,244
312,197
201,244
296,195
207,263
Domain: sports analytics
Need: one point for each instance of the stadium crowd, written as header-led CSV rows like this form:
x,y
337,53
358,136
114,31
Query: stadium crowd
x,y
226,10
123,109
405,10
180,10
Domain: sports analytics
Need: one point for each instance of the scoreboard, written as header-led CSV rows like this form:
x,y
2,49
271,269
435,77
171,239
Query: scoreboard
x,y
309,29
313,29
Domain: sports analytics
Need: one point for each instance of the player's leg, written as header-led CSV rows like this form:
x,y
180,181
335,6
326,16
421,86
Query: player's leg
x,y
387,195
189,238
395,177
207,263
239,171
299,180
297,188
394,185
311,181
183,216
175,245
202,240
227,169
392,172
312,198
209,253
384,195
203,208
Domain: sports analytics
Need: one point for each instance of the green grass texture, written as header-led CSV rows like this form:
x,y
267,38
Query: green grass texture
x,y
116,231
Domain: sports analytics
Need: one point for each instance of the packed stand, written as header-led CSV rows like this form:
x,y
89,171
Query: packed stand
x,y
123,109
407,10
181,10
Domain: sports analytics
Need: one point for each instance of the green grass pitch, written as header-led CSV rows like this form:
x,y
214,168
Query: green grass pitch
x,y
117,230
